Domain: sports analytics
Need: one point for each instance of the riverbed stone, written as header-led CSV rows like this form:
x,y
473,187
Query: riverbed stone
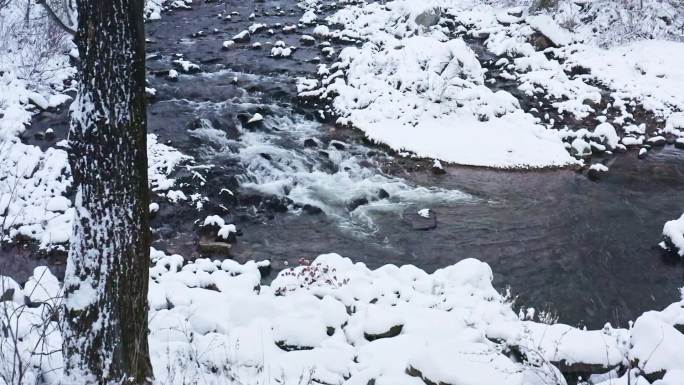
x,y
214,248
419,222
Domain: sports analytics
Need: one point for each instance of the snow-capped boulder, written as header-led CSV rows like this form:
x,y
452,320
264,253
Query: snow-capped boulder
x,y
423,219
596,170
548,32
241,37
429,17
673,234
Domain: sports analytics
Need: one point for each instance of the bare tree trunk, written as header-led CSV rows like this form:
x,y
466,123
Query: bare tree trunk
x,y
105,338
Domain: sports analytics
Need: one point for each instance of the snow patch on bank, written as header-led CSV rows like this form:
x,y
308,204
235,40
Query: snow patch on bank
x,y
419,91
428,97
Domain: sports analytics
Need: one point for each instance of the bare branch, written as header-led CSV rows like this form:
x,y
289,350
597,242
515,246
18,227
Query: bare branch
x,y
56,18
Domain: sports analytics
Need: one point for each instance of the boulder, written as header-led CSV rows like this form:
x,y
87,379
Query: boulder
x,y
429,17
392,332
419,222
383,194
355,203
214,248
541,41
657,141
312,210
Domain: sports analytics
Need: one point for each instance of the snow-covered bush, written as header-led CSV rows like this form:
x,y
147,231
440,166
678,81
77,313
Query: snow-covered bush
x,y
30,340
33,65
610,22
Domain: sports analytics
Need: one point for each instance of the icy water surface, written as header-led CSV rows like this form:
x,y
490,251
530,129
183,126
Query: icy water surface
x,y
297,187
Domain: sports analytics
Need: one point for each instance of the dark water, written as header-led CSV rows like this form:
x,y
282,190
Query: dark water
x,y
585,249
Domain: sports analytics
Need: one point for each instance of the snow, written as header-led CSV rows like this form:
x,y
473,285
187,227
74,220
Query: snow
x,y
309,17
416,87
154,207
279,52
649,71
257,117
655,344
599,167
213,220
334,321
185,65
673,231
606,132
549,28
226,231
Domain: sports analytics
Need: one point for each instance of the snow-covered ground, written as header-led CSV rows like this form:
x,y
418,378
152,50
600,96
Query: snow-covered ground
x,y
332,321
416,85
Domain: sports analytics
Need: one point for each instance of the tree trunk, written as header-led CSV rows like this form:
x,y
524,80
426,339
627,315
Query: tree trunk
x,y
105,334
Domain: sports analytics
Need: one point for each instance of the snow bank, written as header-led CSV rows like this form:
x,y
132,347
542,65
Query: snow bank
x,y
418,91
417,87
650,72
337,322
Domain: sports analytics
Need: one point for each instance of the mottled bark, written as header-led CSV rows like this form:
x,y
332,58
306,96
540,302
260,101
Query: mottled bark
x,y
105,337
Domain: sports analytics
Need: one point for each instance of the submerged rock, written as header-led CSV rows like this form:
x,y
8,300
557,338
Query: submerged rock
x,y
214,248
422,220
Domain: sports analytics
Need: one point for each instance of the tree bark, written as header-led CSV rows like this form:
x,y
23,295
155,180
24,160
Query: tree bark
x,y
105,334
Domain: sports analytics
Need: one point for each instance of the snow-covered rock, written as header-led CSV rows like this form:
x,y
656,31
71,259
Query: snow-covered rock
x,y
673,232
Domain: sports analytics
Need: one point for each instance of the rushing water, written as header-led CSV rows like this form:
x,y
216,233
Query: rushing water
x,y
587,250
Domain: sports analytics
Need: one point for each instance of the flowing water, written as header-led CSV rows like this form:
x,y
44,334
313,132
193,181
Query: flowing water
x,y
298,187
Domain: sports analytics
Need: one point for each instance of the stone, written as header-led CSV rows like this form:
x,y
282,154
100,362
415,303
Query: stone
x,y
419,222
541,41
429,17
50,134
214,248
312,210
355,203
392,332
383,194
